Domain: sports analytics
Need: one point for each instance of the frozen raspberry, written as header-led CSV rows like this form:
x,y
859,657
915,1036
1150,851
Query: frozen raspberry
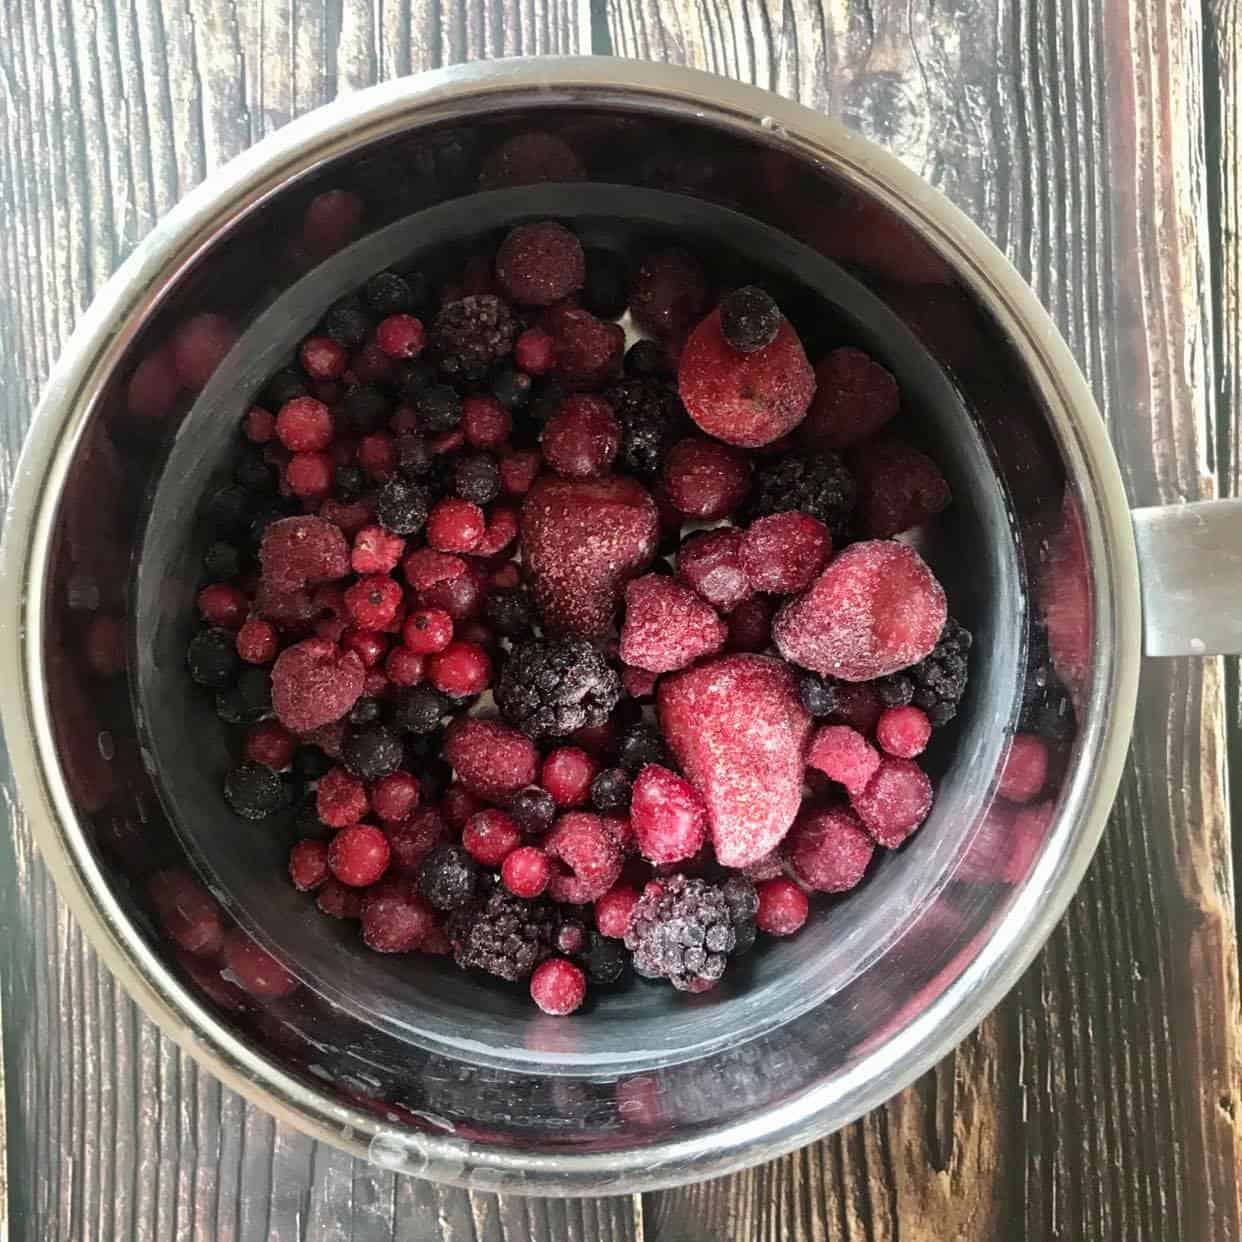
x,y
401,336
340,799
750,625
471,334
298,551
314,683
455,526
567,774
829,849
843,755
255,969
528,159
395,796
1026,768
526,871
782,553
854,398
339,901
588,350
557,986
582,439
222,604
394,918
304,425
490,759
614,909
749,319
876,609
738,731
518,472
270,744
373,601
330,221
190,915
668,816
490,836
534,351
538,264
582,843
309,475
412,839
308,865
154,385
427,630
461,669
903,731
199,346
898,487
667,626
376,551
424,567
709,562
669,294
745,399
359,855
706,479
581,540
783,907
895,802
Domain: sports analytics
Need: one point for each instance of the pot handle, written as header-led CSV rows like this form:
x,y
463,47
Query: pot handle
x,y
1190,562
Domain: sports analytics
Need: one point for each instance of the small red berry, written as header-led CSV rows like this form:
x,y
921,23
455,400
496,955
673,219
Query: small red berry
x,y
304,425
455,526
376,551
339,901
309,474
368,645
223,604
257,642
458,805
404,667
783,907
359,855
706,479
557,986
270,744
526,871
401,336
460,669
377,455
259,425
394,796
373,600
567,774
331,219
395,919
518,472
904,732
582,438
613,911
427,630
340,799
308,864
501,531
490,836
485,422
374,683
322,358
534,352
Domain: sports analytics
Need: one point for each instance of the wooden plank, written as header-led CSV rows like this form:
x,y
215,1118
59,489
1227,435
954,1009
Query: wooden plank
x,y
1100,1102
114,1133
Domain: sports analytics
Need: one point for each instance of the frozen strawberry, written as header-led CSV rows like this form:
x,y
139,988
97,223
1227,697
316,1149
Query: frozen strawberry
x,y
667,626
738,730
491,759
895,802
854,398
1026,769
843,755
529,158
705,479
298,551
590,857
782,553
538,264
745,399
829,849
669,294
898,487
877,608
710,563
1065,598
581,541
588,350
314,683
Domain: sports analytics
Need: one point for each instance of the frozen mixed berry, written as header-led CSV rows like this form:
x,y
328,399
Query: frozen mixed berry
x,y
253,791
427,630
590,857
782,553
395,796
212,658
371,751
394,918
476,478
783,907
222,604
271,745
455,526
842,754
438,408
829,849
390,293
507,936
461,669
525,871
614,910
705,479
510,612
936,683
818,485
610,790
490,836
376,551
490,758
651,418
339,901
257,641
640,745
448,877
401,336
588,350
903,731
341,799
819,695
605,960
682,930
314,683
358,855
582,439
668,816
567,774
669,294
373,600
710,563
471,334
308,865
895,801
667,626
571,936
749,319
898,487
402,507
854,398
557,986
533,810
538,264
552,687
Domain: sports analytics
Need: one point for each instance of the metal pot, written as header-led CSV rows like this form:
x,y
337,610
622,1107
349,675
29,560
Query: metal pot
x,y
418,1067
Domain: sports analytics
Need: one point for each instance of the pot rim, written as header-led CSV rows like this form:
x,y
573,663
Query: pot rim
x,y
110,324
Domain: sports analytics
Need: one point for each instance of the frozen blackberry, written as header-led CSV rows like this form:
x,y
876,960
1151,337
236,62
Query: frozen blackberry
x,y
413,376
310,763
286,384
476,478
222,560
651,418
512,388
448,877
365,711
681,930
438,407
350,482
254,473
434,775
819,485
533,810
366,407
510,611
749,319
548,402
640,745
228,510
387,293
604,959
550,687
248,700
212,657
606,291
415,709
471,335
940,678
347,323
648,358
610,790
506,936
817,694
1046,707
253,791
402,507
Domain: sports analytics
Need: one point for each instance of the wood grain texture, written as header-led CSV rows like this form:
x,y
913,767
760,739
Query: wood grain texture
x,y
1101,1101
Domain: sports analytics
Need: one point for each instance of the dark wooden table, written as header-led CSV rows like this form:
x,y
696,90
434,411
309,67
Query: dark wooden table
x,y
1096,141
